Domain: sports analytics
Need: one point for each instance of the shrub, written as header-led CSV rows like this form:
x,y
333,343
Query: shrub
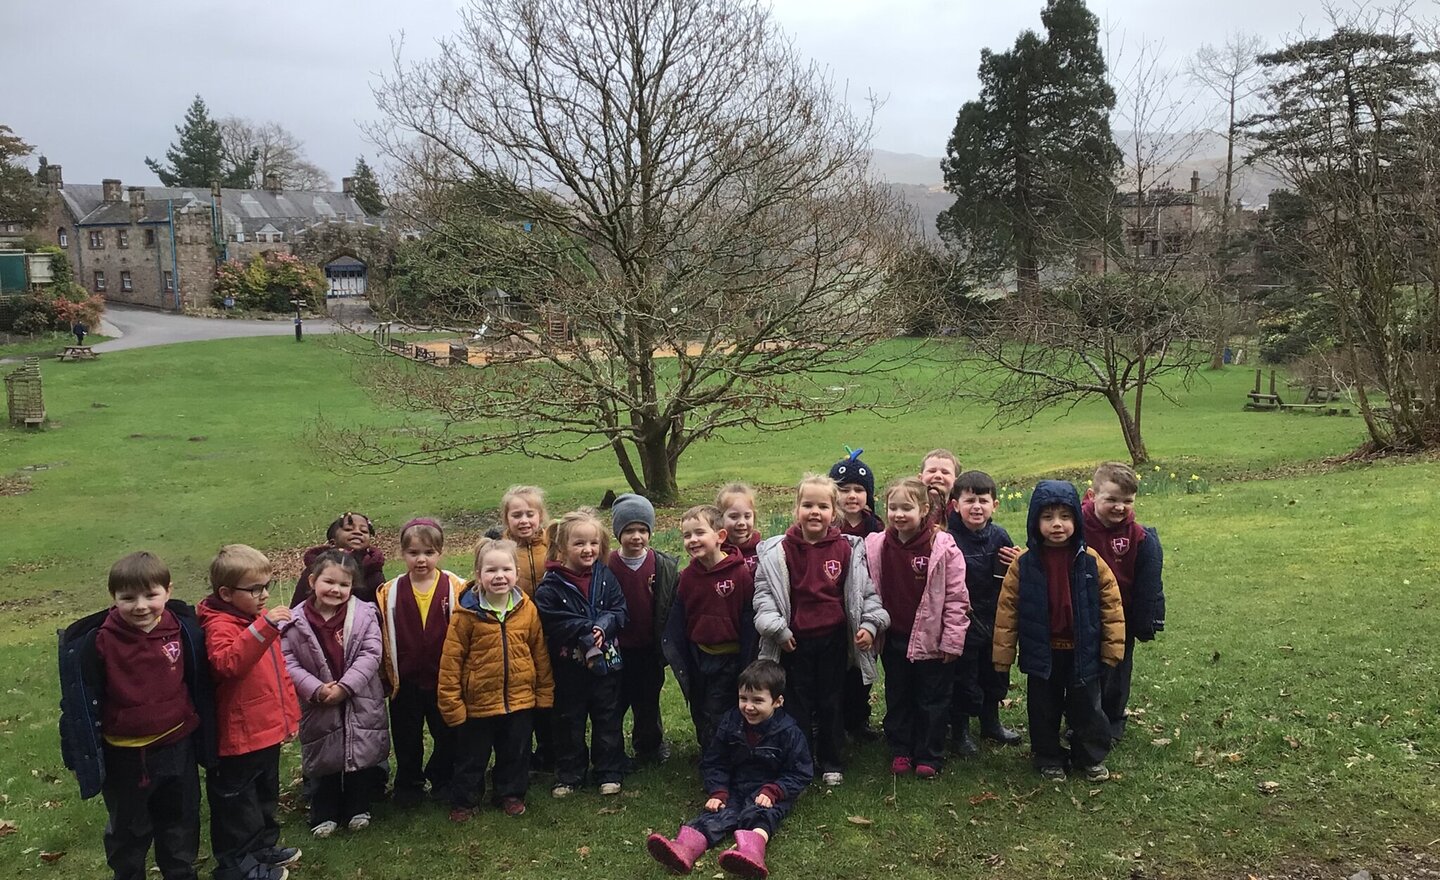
x,y
268,282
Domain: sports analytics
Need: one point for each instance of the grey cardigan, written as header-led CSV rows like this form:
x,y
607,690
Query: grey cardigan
x,y
772,603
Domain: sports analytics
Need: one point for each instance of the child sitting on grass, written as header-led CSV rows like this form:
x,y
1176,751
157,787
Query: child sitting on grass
x,y
415,613
138,668
332,649
494,674
647,578
816,613
1133,553
1062,606
753,769
711,631
920,576
353,533
255,711
583,610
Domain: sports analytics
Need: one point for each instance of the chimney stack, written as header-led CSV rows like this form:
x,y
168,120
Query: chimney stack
x,y
1194,181
137,203
111,189
272,182
347,185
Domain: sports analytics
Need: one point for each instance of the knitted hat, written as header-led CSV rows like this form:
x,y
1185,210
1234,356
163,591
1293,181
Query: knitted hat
x,y
630,508
850,470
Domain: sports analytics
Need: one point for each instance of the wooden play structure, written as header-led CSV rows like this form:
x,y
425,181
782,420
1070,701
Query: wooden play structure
x,y
1319,400
24,395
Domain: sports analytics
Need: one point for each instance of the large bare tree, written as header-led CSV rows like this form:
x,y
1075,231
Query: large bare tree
x,y
681,204
276,151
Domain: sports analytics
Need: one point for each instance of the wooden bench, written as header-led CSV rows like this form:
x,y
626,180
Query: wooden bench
x,y
459,354
399,346
424,355
1261,401
78,353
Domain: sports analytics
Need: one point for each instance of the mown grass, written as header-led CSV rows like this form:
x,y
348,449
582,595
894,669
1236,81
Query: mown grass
x,y
45,344
1298,651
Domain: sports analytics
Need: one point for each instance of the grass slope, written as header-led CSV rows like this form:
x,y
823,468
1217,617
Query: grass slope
x,y
1279,665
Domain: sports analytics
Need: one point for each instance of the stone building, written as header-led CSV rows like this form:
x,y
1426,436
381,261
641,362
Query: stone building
x,y
159,246
1166,229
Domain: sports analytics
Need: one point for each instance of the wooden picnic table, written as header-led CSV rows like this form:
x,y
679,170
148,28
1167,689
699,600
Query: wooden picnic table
x,y
78,353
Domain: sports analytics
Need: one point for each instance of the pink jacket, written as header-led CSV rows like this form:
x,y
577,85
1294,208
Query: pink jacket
x,y
944,613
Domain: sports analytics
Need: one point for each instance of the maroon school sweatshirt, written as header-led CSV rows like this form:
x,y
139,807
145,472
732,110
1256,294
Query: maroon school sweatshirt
x,y
638,585
715,598
145,692
817,582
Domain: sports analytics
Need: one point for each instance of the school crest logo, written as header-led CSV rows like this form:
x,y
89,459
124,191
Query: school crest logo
x,y
172,652
724,588
919,563
751,563
832,569
1120,544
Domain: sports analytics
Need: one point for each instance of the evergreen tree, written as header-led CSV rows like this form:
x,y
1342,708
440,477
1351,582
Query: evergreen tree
x,y
366,188
198,157
20,199
1031,161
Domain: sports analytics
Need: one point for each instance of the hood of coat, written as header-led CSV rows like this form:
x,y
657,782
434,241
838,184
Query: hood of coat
x,y
1046,494
469,601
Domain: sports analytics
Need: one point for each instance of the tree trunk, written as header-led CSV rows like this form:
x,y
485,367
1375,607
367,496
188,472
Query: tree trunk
x,y
1130,428
659,475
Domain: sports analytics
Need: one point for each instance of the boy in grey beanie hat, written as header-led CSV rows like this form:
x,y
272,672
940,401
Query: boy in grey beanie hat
x,y
631,508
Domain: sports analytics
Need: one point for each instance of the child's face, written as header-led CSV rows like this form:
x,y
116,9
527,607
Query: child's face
x,y
521,520
740,519
421,560
938,475
354,534
141,607
497,573
975,510
582,549
1113,504
1057,525
332,587
250,594
903,512
758,706
852,498
815,512
634,540
701,541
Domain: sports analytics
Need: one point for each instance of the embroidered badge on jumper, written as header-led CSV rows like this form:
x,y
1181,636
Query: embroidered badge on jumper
x,y
724,588
172,651
1120,544
832,568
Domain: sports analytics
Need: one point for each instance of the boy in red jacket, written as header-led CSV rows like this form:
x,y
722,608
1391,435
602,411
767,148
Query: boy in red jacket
x,y
255,711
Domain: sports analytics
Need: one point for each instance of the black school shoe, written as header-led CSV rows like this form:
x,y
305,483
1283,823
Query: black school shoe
x,y
278,856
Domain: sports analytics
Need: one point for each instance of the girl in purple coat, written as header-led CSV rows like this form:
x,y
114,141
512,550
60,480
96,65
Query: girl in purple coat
x,y
332,649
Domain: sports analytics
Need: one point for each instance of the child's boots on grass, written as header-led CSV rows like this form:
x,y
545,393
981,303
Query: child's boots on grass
x,y
678,855
992,729
747,857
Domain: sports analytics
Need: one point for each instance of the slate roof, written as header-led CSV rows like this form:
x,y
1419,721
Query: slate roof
x,y
244,210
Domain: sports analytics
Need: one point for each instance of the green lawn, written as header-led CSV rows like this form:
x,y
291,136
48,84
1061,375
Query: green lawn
x,y
45,344
1279,665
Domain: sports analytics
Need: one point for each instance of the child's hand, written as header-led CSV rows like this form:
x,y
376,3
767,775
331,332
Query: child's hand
x,y
1008,554
763,800
278,615
949,658
714,805
599,635
789,645
863,640
334,694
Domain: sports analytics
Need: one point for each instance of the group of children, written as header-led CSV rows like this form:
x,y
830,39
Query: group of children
x,y
774,643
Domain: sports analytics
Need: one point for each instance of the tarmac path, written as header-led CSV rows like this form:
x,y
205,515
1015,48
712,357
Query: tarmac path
x,y
140,328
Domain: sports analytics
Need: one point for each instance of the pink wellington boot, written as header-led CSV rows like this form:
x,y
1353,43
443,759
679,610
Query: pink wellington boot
x,y
678,855
747,858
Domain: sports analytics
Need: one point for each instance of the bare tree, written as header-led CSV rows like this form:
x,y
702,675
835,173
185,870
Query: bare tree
x,y
1126,322
1232,75
277,152
681,204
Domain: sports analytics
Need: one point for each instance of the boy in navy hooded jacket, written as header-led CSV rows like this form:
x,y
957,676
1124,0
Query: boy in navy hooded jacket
x,y
1061,604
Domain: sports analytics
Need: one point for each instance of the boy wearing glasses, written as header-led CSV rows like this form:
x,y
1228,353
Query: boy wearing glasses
x,y
255,711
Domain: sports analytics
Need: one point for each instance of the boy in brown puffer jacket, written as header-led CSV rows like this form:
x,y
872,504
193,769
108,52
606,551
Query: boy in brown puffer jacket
x,y
494,674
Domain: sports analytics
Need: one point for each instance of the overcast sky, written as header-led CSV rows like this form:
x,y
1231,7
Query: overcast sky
x,y
97,85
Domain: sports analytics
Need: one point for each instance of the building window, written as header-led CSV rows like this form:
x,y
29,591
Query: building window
x,y
149,238
125,281
99,281
122,238
169,282
9,227
240,236
63,236
97,239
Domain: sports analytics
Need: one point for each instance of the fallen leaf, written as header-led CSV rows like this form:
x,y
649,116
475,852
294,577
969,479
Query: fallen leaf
x,y
1268,787
50,858
860,820
979,799
1162,741
610,811
8,828
1292,742
583,851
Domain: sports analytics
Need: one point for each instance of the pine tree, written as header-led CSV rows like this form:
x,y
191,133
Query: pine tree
x,y
1031,161
198,157
366,188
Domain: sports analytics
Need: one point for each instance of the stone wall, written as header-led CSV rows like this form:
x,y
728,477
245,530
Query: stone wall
x,y
371,245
